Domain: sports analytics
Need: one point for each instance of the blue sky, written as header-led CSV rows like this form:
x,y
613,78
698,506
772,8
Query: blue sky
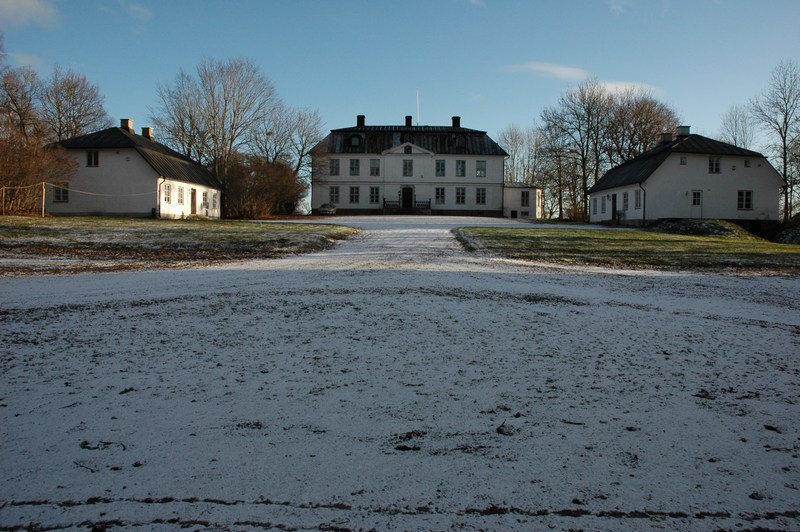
x,y
492,62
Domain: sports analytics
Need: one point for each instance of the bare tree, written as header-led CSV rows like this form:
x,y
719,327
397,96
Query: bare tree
x,y
777,110
287,136
524,150
18,97
737,127
635,124
71,105
179,118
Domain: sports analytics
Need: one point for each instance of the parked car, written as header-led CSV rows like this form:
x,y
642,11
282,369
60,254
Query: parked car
x,y
327,208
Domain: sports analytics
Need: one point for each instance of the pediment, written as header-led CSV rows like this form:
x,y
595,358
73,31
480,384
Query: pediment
x,y
407,148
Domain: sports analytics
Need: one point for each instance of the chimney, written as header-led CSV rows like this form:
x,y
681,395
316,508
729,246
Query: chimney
x,y
147,132
408,121
126,124
666,138
360,120
456,121
683,132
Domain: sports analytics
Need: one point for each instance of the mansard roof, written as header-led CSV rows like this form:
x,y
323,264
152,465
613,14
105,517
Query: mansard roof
x,y
442,140
165,161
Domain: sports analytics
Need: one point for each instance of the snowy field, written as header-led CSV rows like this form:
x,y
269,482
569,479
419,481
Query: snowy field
x,y
398,382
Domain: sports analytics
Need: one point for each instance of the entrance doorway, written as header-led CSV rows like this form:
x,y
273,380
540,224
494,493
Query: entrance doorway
x,y
193,199
408,198
697,204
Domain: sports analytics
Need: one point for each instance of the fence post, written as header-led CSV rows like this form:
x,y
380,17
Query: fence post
x,y
42,199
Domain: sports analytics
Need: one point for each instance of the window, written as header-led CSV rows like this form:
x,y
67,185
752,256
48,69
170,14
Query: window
x,y
713,164
334,167
744,200
480,196
747,163
525,198
480,168
683,160
355,141
355,167
461,168
637,199
333,195
594,205
624,201
92,158
167,193
205,199
374,194
408,167
180,195
214,200
61,193
440,168
602,205
374,167
354,193
439,195
697,198
407,150
461,195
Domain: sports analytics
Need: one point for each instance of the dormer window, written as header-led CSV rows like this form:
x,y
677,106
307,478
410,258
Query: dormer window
x,y
355,141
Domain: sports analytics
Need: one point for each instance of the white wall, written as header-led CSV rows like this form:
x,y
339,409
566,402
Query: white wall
x,y
512,201
668,191
424,180
171,205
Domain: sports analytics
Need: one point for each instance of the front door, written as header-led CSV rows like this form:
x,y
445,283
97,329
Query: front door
x,y
614,207
697,204
408,198
193,199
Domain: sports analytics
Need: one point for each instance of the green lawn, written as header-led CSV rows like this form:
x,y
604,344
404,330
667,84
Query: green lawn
x,y
632,248
131,241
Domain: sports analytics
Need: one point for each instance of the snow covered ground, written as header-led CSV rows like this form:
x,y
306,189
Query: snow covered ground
x,y
398,382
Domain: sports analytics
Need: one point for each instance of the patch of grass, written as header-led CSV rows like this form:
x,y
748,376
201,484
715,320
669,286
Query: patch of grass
x,y
632,248
131,243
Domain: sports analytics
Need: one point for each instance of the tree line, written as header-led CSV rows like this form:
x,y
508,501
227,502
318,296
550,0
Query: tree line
x,y
592,129
225,115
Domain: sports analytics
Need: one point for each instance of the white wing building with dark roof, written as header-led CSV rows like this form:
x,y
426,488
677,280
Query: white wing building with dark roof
x,y
413,169
124,174
689,176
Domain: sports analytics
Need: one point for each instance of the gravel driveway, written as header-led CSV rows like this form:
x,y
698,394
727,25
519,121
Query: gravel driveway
x,y
396,381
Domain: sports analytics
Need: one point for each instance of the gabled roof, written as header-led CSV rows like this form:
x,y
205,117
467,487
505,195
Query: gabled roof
x,y
165,161
639,169
441,140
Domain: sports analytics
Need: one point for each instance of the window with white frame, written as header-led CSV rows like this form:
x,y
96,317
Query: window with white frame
x,y
333,195
92,158
744,200
204,204
683,160
461,168
594,205
374,167
747,163
355,167
697,198
637,199
602,205
167,193
714,164
440,168
61,193
354,194
461,195
480,196
180,195
624,201
525,198
439,195
374,194
408,167
480,168
334,167
214,200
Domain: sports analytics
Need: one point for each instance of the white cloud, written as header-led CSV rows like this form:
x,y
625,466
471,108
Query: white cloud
x,y
619,6
616,87
138,11
550,70
32,61
24,12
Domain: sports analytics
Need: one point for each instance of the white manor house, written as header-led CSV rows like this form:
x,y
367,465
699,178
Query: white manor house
x,y
448,170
